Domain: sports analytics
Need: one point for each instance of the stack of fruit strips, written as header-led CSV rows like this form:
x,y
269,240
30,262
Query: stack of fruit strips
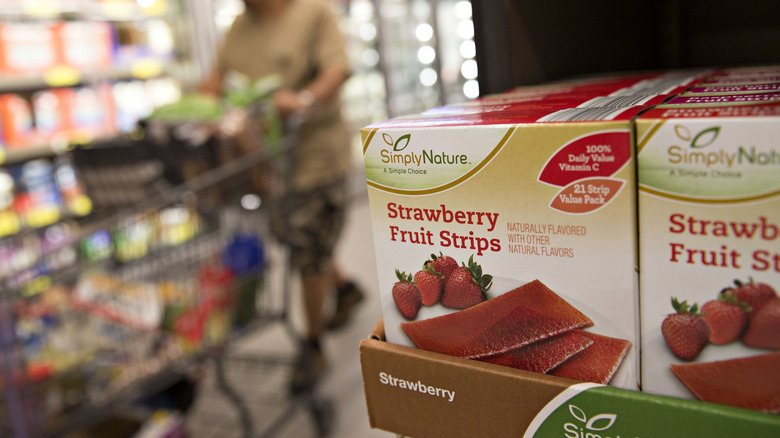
x,y
529,328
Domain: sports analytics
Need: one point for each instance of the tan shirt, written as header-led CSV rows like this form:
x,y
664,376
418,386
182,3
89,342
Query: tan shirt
x,y
297,46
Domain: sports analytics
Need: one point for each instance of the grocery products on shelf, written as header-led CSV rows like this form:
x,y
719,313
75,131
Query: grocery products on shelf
x,y
67,68
39,193
54,119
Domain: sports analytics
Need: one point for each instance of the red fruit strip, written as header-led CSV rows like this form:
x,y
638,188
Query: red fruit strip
x,y
520,317
542,356
750,382
597,363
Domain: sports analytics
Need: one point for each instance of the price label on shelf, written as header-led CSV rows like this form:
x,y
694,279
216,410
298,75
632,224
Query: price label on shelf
x,y
9,223
43,216
62,76
36,286
42,8
81,205
154,7
146,68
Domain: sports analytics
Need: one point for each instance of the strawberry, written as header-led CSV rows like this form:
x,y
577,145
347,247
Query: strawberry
x,y
726,318
753,294
685,332
442,264
466,286
406,295
430,284
764,330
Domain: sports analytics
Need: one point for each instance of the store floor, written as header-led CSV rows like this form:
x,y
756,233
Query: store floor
x,y
260,381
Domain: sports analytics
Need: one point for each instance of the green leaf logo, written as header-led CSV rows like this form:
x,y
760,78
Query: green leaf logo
x,y
578,413
404,139
701,140
597,422
682,132
705,138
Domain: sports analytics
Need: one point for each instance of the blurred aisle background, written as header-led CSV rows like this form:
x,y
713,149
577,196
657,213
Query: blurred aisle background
x,y
263,387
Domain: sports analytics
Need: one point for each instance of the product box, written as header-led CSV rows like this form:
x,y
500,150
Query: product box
x,y
18,125
604,91
735,89
547,212
724,99
413,392
85,45
27,48
92,112
52,115
709,227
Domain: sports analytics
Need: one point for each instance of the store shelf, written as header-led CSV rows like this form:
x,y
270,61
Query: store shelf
x,y
526,43
64,76
90,9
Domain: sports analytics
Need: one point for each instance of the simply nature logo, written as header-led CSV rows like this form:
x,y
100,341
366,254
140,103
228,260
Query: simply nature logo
x,y
397,154
398,145
586,427
701,149
700,140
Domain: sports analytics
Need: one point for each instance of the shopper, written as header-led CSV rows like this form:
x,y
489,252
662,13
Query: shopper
x,y
300,39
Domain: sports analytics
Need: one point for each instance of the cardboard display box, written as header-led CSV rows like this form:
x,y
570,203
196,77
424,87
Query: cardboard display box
x,y
534,191
540,187
422,394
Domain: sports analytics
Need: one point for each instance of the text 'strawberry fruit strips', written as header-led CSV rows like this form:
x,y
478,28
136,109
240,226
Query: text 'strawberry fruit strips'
x,y
685,332
406,295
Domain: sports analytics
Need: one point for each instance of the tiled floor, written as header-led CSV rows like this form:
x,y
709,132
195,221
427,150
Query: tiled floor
x,y
261,385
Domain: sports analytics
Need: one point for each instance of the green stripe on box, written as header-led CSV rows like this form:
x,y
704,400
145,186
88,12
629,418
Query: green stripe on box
x,y
592,411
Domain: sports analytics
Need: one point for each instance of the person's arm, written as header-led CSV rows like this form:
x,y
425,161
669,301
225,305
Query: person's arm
x,y
321,90
212,85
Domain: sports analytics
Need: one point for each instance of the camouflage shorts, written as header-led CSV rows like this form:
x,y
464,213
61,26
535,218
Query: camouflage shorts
x,y
310,223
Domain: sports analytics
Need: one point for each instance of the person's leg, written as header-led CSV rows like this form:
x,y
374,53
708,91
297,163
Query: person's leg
x,y
311,360
314,227
315,290
348,295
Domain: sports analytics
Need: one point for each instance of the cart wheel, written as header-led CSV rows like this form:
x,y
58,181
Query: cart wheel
x,y
323,412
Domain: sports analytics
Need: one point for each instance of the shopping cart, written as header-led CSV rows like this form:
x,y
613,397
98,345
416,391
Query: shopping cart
x,y
163,275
